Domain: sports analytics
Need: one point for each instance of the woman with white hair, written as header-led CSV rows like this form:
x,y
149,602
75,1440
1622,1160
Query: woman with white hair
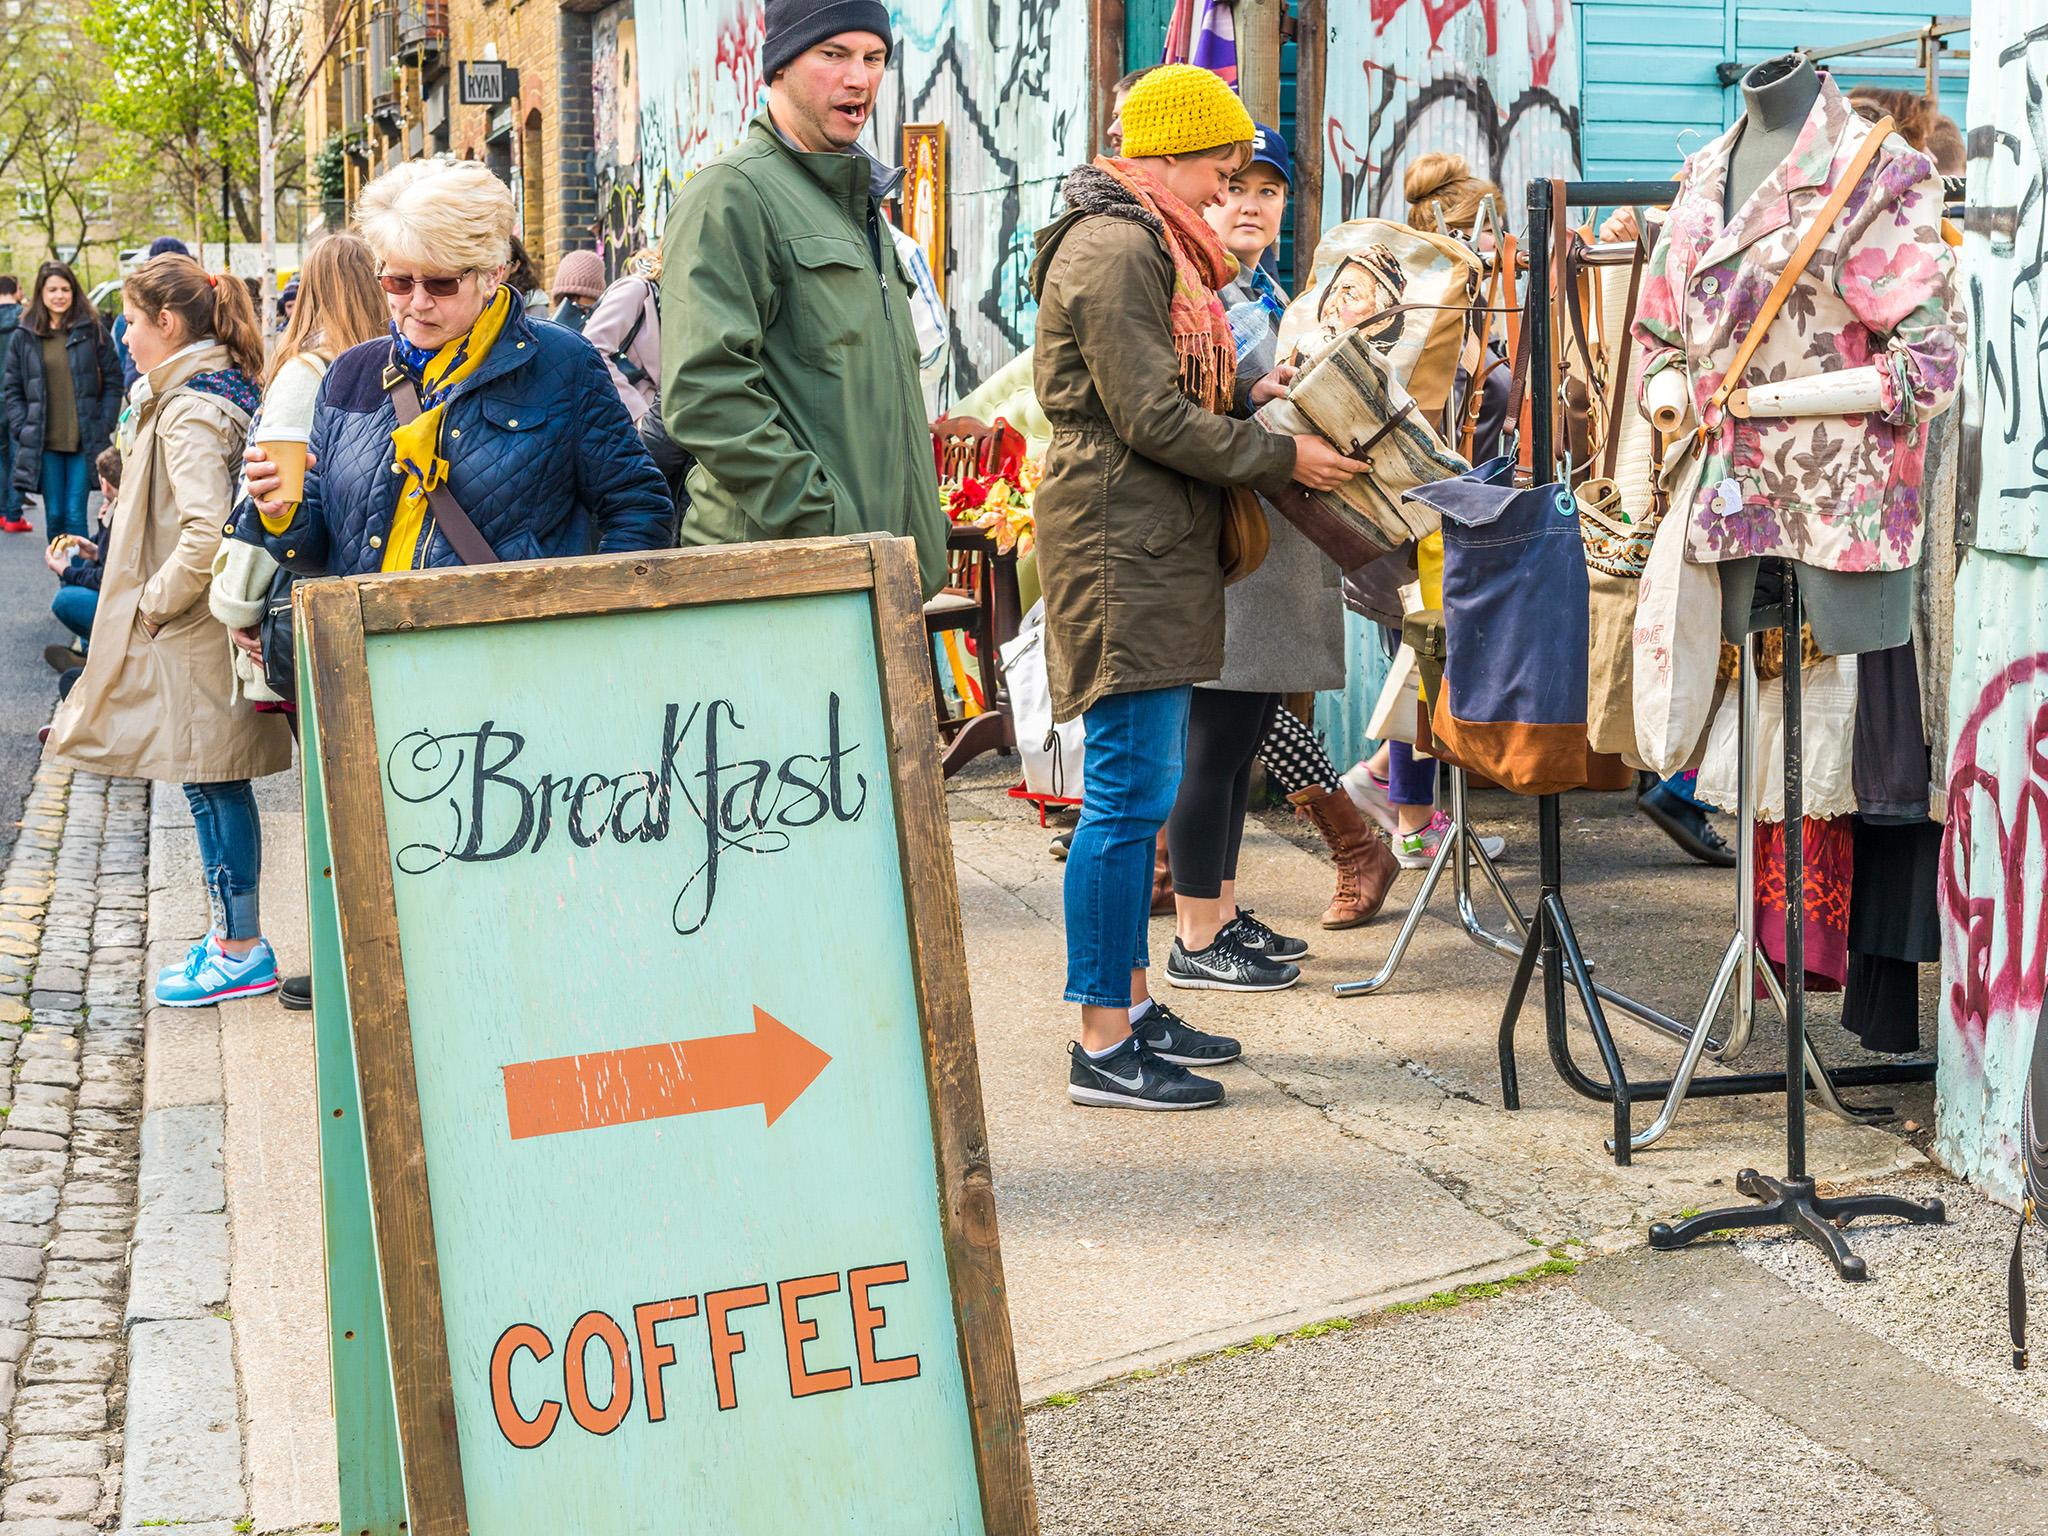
x,y
474,432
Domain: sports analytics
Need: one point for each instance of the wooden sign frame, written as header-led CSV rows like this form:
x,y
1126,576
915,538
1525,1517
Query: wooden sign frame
x,y
335,618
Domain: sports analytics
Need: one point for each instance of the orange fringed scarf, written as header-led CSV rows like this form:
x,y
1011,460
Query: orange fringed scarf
x,y
1201,331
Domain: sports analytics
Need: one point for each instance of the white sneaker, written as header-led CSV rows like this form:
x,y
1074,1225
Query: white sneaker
x,y
1417,850
1370,796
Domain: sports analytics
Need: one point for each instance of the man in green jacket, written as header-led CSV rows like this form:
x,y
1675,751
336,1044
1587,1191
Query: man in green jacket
x,y
788,351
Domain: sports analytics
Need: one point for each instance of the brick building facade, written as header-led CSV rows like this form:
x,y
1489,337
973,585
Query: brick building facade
x,y
386,90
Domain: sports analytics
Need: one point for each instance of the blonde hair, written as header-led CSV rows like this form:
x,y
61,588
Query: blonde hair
x,y
1445,179
339,303
441,214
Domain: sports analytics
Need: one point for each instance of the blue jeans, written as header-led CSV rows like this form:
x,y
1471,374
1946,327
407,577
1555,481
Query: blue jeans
x,y
66,482
1136,746
230,854
74,607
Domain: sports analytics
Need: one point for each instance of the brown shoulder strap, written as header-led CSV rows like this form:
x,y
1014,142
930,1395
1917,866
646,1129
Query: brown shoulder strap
x,y
462,536
1809,243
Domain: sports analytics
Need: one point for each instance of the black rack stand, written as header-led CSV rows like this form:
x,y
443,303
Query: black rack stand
x,y
1791,1201
1552,938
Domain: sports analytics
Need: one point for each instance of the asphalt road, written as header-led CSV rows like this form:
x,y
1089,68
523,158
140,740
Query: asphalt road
x,y
28,688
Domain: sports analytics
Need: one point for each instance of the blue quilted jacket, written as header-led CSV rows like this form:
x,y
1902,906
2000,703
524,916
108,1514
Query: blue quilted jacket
x,y
541,454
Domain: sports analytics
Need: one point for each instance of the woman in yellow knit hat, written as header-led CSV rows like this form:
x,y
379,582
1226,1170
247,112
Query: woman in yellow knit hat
x,y
1136,370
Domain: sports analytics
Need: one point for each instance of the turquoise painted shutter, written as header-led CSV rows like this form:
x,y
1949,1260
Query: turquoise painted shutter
x,y
1652,96
1145,31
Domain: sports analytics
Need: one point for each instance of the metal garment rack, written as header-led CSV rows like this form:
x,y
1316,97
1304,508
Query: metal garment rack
x,y
1792,1201
1554,941
1459,850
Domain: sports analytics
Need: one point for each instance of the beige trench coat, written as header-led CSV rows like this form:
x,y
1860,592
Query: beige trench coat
x,y
164,706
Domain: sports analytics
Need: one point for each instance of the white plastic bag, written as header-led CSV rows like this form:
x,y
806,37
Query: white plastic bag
x,y
1677,645
1051,753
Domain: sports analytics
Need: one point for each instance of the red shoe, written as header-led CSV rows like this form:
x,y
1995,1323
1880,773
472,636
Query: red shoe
x,y
14,525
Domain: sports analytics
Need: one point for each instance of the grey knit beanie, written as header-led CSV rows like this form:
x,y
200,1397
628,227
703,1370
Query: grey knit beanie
x,y
795,26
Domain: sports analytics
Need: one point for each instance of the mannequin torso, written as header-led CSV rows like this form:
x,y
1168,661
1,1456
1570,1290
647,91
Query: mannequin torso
x,y
1779,94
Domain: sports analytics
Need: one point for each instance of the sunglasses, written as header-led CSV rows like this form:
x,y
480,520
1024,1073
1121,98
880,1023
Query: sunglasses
x,y
439,287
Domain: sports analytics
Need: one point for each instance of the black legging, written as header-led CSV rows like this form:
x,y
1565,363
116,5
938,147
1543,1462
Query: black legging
x,y
1207,824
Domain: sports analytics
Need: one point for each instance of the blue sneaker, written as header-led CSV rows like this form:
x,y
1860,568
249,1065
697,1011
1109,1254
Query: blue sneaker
x,y
212,976
193,956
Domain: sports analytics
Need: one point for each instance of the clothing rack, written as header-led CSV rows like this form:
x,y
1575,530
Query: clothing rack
x,y
1553,940
1459,849
1792,1201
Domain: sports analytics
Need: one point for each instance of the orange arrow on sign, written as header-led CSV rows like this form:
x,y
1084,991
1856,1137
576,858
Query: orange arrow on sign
x,y
770,1066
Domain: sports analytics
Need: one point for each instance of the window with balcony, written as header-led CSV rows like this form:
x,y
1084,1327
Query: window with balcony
x,y
422,29
383,61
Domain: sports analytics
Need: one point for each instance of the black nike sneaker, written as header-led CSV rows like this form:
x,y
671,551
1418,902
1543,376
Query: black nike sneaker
x,y
1227,966
1172,1038
1130,1077
1261,940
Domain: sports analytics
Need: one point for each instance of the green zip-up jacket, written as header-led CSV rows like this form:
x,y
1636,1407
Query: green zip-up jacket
x,y
789,358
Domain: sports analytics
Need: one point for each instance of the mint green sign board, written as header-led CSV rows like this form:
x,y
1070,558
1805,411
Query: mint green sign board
x,y
672,1090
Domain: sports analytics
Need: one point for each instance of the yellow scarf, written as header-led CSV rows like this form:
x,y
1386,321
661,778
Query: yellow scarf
x,y
416,446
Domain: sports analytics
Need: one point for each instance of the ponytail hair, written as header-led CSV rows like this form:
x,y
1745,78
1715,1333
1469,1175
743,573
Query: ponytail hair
x,y
207,307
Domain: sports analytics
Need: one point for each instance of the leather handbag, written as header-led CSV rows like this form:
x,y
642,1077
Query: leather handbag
x,y
1245,537
470,546
1347,394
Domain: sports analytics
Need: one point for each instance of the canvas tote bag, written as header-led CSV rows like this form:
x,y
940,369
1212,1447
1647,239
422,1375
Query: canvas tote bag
x,y
1513,702
1618,515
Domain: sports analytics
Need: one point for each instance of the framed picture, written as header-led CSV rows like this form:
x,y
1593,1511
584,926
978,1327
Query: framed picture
x,y
923,195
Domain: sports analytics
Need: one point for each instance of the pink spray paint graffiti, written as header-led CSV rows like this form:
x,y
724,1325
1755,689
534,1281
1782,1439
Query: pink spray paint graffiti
x,y
1994,876
1996,937
1438,79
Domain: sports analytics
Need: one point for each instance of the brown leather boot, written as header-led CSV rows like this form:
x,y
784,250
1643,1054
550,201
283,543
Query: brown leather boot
x,y
1162,878
1366,867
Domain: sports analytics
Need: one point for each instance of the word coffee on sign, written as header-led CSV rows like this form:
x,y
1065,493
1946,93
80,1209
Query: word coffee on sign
x,y
504,801
641,1360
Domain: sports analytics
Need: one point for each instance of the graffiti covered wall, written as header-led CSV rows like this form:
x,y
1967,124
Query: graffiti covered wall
x,y
1994,875
1009,78
1496,81
615,130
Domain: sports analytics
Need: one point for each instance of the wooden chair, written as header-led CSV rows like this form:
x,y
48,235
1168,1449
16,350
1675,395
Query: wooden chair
x,y
980,598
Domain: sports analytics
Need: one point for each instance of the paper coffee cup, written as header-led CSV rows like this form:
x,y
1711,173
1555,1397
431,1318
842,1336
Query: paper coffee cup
x,y
289,455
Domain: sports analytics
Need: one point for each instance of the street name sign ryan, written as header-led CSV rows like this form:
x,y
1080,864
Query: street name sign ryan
x,y
646,951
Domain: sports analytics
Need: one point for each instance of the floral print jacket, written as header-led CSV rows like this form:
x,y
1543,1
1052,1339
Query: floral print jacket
x,y
1838,492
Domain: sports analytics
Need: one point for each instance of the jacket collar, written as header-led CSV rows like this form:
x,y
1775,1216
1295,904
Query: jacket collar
x,y
848,177
1832,131
514,348
174,370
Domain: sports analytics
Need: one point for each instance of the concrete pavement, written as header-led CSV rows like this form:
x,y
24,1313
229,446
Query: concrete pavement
x,y
1361,1164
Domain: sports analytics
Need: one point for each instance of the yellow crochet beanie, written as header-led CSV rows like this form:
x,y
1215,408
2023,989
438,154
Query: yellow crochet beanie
x,y
1182,109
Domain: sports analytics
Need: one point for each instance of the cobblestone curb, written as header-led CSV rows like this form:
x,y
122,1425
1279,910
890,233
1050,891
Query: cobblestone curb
x,y
182,1464
72,912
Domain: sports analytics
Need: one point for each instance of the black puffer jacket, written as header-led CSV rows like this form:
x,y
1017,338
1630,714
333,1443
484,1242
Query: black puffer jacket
x,y
95,384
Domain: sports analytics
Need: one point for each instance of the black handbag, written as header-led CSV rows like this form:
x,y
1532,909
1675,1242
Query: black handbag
x,y
2034,1190
280,657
